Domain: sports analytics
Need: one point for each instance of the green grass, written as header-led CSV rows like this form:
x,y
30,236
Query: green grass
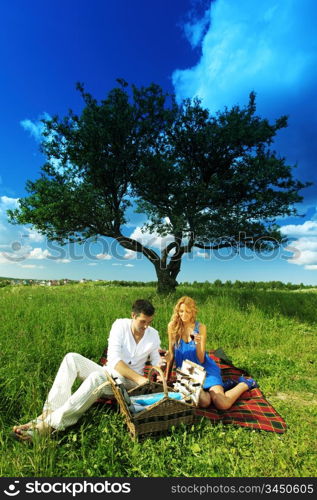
x,y
270,334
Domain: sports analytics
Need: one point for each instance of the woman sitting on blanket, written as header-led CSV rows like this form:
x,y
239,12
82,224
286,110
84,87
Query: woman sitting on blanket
x,y
182,328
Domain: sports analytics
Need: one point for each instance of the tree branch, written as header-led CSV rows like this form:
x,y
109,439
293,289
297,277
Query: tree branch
x,y
136,246
213,247
190,244
166,251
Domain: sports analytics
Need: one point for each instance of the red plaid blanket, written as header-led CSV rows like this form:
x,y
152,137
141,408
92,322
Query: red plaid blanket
x,y
251,410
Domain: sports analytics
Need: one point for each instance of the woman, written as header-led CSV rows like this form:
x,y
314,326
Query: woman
x,y
182,326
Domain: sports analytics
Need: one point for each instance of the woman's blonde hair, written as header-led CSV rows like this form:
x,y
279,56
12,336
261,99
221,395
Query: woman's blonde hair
x,y
176,326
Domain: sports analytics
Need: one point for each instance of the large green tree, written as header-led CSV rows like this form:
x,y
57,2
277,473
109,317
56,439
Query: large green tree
x,y
208,182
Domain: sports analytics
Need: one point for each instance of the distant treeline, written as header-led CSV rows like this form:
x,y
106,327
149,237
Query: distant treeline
x,y
4,282
257,285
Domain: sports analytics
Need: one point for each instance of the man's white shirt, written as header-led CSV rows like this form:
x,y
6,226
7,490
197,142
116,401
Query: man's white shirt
x,y
122,346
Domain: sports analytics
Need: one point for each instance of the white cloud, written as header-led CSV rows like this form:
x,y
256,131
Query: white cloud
x,y
195,29
6,203
152,240
309,228
304,252
103,256
39,254
303,244
130,254
33,235
203,255
31,266
304,248
26,252
35,128
303,258
17,252
249,46
128,265
5,260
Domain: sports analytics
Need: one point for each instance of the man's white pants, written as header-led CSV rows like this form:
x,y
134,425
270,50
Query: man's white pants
x,y
66,407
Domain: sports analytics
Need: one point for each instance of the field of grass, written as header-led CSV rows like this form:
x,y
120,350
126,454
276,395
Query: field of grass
x,y
270,334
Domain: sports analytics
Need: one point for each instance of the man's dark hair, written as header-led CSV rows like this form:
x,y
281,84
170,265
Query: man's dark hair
x,y
143,306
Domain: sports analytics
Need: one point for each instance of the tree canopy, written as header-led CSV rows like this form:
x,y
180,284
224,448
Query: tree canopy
x,y
209,182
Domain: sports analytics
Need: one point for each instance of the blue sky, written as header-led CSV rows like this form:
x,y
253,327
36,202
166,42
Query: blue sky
x,y
217,50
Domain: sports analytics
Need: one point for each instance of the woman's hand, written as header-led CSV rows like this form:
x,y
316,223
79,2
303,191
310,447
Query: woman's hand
x,y
198,339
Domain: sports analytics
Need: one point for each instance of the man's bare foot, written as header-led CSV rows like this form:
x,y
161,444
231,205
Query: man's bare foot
x,y
23,427
27,434
19,429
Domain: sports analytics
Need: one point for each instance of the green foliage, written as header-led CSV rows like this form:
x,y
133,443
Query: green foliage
x,y
271,334
4,282
220,183
257,285
115,283
208,181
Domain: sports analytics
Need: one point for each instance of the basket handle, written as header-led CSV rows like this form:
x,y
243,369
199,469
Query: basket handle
x,y
158,369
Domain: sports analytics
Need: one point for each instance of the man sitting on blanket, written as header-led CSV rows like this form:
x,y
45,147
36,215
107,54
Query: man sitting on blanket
x,y
131,342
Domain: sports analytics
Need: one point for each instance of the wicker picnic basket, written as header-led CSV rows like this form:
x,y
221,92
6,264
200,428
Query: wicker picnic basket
x,y
158,417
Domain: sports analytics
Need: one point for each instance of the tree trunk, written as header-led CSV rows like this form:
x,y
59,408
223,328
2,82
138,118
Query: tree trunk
x,y
166,282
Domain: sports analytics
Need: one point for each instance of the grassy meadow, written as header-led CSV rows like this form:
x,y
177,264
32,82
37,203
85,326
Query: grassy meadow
x,y
272,335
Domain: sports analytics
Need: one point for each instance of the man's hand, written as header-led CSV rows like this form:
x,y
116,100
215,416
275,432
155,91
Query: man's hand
x,y
168,357
127,372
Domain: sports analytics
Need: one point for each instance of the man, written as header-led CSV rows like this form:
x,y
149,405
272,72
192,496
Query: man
x,y
131,342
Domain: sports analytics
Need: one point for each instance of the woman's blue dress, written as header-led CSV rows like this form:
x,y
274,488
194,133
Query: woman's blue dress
x,y
187,350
